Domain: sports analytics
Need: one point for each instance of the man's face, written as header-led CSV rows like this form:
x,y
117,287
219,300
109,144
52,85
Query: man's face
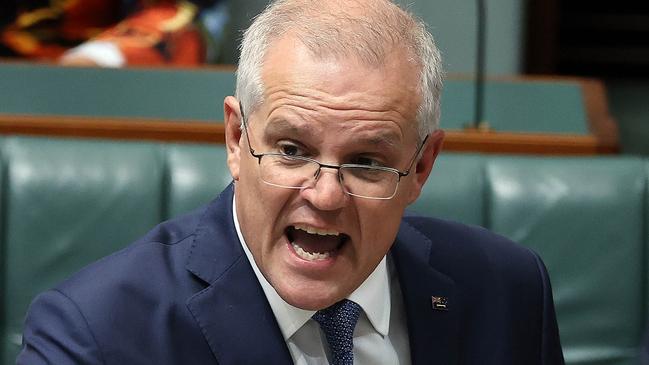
x,y
335,112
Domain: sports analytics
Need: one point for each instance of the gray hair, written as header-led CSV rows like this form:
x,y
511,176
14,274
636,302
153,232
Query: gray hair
x,y
369,33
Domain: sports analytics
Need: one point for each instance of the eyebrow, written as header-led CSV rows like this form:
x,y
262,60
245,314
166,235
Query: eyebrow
x,y
279,126
386,138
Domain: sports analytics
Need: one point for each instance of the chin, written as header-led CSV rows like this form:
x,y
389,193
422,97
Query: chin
x,y
311,298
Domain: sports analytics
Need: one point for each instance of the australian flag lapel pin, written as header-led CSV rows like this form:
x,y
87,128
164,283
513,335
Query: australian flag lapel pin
x,y
439,303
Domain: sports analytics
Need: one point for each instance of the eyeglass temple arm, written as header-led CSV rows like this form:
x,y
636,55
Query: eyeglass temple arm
x,y
414,158
245,131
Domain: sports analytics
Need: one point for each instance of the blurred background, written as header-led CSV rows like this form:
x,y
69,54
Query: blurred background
x,y
607,42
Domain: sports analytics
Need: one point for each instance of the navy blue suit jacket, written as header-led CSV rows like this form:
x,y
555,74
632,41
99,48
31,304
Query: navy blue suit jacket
x,y
186,294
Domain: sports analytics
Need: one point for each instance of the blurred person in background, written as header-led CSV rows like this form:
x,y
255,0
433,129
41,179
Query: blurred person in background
x,y
113,33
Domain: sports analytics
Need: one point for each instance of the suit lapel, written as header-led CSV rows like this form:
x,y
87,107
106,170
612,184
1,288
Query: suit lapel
x,y
433,332
239,324
232,311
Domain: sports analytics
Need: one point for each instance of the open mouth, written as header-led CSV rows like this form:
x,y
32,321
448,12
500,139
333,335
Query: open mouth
x,y
314,244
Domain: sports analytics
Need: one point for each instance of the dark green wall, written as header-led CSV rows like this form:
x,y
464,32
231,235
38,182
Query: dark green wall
x,y
629,103
451,22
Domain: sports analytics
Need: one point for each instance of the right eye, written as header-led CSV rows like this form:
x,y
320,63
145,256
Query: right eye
x,y
366,161
290,149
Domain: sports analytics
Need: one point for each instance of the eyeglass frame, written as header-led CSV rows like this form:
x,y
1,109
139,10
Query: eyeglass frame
x,y
400,174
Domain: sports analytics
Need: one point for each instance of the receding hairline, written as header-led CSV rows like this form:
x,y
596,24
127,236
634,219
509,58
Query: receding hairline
x,y
314,24
366,30
392,63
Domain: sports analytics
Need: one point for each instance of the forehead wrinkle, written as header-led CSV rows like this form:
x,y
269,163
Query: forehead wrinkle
x,y
312,95
348,110
283,125
366,132
323,109
374,127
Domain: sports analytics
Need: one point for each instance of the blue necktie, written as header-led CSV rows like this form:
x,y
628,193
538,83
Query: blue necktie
x,y
338,322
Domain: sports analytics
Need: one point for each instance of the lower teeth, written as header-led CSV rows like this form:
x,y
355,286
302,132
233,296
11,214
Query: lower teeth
x,y
315,256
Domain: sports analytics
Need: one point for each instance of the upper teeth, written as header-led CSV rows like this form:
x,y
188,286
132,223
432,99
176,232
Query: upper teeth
x,y
313,230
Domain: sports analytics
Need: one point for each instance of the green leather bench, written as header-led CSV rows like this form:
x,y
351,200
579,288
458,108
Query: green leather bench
x,y
65,203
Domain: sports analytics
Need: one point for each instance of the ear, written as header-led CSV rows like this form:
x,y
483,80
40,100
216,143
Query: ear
x,y
233,142
425,164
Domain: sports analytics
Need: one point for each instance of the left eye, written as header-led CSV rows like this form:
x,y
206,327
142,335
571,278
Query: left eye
x,y
290,150
366,161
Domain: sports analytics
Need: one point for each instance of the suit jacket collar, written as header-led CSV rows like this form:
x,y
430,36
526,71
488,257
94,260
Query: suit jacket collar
x,y
433,332
238,326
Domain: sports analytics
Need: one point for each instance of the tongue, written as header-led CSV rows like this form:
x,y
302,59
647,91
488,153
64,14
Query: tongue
x,y
314,243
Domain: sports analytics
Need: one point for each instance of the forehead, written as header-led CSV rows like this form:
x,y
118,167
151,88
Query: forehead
x,y
339,88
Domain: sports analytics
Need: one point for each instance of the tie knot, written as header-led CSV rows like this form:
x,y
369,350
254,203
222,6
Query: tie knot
x,y
338,322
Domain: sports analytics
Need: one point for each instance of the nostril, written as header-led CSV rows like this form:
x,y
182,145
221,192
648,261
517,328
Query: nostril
x,y
327,193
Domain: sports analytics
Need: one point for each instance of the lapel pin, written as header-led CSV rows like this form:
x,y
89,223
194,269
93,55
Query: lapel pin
x,y
439,303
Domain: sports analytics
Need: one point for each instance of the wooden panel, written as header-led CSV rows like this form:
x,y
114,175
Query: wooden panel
x,y
525,143
599,121
542,33
602,131
603,137
590,38
156,93
202,132
113,128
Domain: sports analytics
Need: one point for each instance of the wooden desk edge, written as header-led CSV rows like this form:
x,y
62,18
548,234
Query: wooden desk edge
x,y
214,133
600,121
114,128
527,143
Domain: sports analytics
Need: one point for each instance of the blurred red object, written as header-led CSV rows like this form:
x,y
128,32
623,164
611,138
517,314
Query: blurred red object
x,y
162,32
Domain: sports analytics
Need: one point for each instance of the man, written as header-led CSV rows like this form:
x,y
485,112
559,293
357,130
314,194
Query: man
x,y
308,257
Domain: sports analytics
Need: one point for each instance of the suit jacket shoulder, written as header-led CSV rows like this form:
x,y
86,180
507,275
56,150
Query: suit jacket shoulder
x,y
487,297
468,253
127,308
183,294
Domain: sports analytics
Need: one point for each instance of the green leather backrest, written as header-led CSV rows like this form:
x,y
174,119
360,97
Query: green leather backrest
x,y
646,262
455,189
197,174
585,217
66,204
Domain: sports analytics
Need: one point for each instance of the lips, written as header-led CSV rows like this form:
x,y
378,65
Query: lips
x,y
315,244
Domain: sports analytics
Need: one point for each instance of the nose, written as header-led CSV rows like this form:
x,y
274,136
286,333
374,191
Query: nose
x,y
326,193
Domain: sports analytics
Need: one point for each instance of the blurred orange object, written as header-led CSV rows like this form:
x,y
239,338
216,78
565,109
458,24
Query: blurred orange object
x,y
162,32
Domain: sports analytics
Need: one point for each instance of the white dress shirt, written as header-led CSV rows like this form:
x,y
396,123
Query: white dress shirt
x,y
380,336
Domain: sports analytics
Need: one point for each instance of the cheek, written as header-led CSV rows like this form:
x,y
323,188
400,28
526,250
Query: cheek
x,y
247,170
379,228
250,204
261,206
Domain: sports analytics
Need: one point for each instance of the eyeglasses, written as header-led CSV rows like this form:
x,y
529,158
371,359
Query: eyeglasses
x,y
298,172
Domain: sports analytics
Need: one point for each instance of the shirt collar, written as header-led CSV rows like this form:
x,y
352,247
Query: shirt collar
x,y
373,295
